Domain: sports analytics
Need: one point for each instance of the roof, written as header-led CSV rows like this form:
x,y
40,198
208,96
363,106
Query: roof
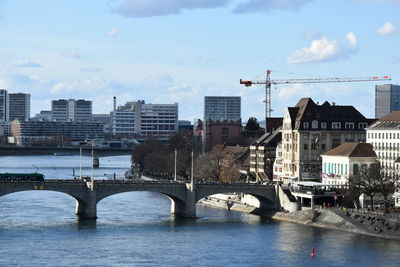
x,y
269,139
239,153
306,110
391,120
352,150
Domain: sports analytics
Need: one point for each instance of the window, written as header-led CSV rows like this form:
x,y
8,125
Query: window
x,y
305,125
355,169
314,124
323,125
362,125
305,146
323,146
349,125
336,125
225,131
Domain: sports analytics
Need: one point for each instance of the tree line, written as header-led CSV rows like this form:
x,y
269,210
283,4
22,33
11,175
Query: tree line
x,y
158,159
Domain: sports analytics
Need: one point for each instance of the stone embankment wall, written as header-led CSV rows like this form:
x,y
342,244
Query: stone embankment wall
x,y
285,202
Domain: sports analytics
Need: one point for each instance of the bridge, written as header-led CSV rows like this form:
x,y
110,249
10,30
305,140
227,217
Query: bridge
x,y
183,196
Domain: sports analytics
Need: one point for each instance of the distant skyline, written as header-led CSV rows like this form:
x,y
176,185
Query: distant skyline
x,y
180,51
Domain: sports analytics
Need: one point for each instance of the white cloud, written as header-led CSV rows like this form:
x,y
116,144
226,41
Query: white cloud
x,y
387,29
270,5
150,8
27,63
90,69
322,50
71,54
113,32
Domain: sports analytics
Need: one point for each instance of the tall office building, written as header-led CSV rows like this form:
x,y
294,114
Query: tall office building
x,y
387,99
3,105
222,108
71,110
19,106
156,120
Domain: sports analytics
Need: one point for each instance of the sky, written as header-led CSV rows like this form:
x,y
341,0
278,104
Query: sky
x,y
179,51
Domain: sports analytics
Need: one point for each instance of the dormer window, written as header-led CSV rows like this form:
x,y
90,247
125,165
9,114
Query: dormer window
x,y
314,124
336,125
323,125
305,125
362,125
349,125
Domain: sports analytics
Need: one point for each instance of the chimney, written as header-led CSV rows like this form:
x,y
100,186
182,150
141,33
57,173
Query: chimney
x,y
115,103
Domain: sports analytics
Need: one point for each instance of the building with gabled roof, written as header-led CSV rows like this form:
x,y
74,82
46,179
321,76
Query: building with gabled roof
x,y
311,129
345,160
263,153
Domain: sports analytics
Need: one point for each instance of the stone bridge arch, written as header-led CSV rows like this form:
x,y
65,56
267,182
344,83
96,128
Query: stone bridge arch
x,y
175,192
265,194
75,190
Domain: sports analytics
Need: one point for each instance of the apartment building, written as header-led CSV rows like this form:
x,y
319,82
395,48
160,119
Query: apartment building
x,y
139,118
19,106
311,129
222,108
4,111
384,135
71,110
263,154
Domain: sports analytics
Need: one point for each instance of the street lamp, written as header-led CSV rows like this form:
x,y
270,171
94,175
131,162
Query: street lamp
x,y
175,166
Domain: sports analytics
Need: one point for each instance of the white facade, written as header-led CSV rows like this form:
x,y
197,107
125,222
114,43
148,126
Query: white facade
x,y
138,118
278,167
336,170
386,143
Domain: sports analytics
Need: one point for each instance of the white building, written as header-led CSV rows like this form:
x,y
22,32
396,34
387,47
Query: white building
x,y
278,166
345,160
384,135
139,118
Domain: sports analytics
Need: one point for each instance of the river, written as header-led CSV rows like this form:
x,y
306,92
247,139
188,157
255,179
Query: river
x,y
136,229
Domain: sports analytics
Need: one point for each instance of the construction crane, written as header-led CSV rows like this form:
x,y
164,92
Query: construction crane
x,y
268,82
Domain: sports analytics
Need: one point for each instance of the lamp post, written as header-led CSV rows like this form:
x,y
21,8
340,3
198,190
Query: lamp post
x,y
191,177
175,166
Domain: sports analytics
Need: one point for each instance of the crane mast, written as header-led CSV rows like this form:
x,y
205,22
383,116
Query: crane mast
x,y
268,82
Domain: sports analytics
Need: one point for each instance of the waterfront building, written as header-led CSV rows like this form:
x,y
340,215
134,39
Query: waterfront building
x,y
310,129
345,160
222,108
19,106
384,135
387,99
147,120
71,110
263,154
31,132
4,111
278,164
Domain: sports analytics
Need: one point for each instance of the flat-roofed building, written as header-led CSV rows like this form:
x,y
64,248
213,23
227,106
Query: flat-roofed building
x,y
387,99
147,120
19,106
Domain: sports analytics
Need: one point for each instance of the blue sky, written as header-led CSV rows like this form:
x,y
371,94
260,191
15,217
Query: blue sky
x,y
182,50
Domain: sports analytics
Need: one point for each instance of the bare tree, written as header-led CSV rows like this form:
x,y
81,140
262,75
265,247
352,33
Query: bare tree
x,y
387,186
367,182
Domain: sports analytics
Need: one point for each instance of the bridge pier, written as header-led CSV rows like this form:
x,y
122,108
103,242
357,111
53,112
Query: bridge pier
x,y
87,208
185,209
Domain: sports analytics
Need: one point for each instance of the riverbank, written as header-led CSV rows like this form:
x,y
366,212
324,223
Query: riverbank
x,y
321,218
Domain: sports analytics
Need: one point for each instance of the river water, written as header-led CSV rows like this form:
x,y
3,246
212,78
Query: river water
x,y
136,229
